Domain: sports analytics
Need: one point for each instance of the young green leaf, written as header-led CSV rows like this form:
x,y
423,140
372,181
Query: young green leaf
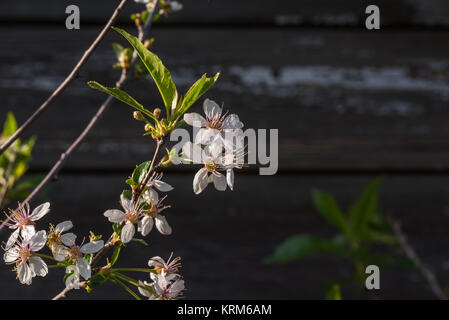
x,y
333,293
10,125
118,49
115,254
299,246
158,71
140,172
365,209
328,207
195,92
122,96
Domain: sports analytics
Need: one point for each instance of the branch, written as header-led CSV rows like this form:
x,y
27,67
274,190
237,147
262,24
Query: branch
x,y
62,294
7,176
123,79
66,81
63,158
428,275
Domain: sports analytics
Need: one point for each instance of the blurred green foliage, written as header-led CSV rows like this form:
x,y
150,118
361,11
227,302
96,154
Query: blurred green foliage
x,y
362,230
14,164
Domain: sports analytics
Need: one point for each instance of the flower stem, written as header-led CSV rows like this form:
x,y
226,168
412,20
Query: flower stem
x,y
135,270
126,278
124,286
45,256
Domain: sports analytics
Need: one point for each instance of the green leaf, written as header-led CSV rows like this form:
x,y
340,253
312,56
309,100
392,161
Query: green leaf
x,y
158,71
118,49
140,172
141,241
328,207
122,96
333,293
97,280
195,92
10,125
365,209
127,194
299,246
115,254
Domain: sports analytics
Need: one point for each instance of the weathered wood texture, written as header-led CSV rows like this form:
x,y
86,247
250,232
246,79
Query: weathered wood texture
x,y
248,12
345,100
342,100
224,238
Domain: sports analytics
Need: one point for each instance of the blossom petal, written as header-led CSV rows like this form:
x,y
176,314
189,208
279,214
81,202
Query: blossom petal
x,y
126,203
38,241
162,225
84,268
24,273
195,120
150,196
200,181
215,148
162,186
145,225
115,216
11,255
211,109
12,239
92,247
232,122
193,152
206,136
156,261
68,239
40,211
128,232
60,253
64,226
143,291
73,280
27,231
230,178
219,181
38,266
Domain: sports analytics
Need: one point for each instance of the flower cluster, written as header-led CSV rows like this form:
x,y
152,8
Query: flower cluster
x,y
166,284
145,211
218,146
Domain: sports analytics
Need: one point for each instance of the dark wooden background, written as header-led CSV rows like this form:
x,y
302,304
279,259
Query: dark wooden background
x,y
350,105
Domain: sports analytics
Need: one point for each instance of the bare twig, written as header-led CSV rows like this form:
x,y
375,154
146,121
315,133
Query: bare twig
x,y
62,294
8,173
66,81
428,275
143,32
58,165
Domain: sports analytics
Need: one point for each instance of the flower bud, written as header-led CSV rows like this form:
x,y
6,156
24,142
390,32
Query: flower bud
x,y
138,116
157,112
147,127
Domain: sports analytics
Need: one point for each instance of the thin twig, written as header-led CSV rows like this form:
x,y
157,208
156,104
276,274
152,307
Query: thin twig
x,y
142,35
7,176
428,275
58,165
62,294
66,81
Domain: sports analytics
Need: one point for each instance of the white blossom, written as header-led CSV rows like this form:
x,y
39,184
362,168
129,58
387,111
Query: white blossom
x,y
28,264
215,124
214,161
155,182
23,221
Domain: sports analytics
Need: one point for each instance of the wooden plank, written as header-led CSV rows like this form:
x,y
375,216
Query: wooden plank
x,y
341,100
223,236
248,12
